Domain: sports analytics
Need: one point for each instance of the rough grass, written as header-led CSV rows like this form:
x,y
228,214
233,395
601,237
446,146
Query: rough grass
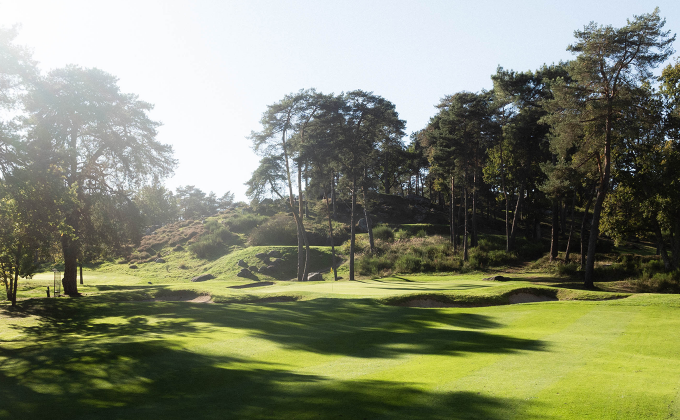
x,y
337,352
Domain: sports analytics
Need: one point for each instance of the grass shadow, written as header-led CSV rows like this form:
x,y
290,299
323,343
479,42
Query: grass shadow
x,y
97,360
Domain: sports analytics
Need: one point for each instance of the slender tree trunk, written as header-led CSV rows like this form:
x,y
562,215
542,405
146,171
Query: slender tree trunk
x,y
660,245
507,221
675,242
453,214
330,232
515,216
465,233
5,276
563,217
301,241
352,229
16,276
80,266
459,217
369,227
474,208
584,246
555,236
571,229
333,199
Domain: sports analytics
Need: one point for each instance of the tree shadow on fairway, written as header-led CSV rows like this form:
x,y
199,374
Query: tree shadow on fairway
x,y
78,379
85,359
325,326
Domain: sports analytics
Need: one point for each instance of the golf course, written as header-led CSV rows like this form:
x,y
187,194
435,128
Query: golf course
x,y
411,347
274,241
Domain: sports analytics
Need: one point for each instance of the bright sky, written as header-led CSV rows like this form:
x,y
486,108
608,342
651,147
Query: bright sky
x,y
212,67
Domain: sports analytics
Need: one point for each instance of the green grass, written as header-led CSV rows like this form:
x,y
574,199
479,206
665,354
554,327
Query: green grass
x,y
337,352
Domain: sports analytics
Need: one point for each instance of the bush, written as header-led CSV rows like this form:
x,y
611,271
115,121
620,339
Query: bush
x,y
477,259
659,283
383,233
280,229
372,266
215,243
245,223
568,269
407,264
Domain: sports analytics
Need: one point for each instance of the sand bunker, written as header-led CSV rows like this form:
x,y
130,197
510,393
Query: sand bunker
x,y
276,299
193,298
257,284
431,303
520,297
523,297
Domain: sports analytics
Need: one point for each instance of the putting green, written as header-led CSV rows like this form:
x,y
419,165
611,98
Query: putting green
x,y
340,355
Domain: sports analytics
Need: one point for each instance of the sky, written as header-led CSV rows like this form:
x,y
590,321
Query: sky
x,y
211,67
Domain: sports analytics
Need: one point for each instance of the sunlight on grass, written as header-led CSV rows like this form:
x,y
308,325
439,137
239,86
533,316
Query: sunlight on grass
x,y
118,354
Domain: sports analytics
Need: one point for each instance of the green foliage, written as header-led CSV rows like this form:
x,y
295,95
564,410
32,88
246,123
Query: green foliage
x,y
384,233
659,283
280,229
216,242
407,264
245,223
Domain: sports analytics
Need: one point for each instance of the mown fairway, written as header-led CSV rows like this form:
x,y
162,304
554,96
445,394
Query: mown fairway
x,y
338,354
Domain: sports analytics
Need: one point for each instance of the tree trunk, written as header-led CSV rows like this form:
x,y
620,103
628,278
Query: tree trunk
x,y
330,232
571,229
599,200
660,245
301,241
584,246
333,199
474,209
595,227
465,232
80,266
563,217
555,236
69,248
352,229
515,217
368,220
5,276
675,242
300,249
453,214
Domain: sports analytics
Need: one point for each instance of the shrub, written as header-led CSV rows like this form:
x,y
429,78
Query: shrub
x,y
245,223
215,243
383,233
477,259
500,257
280,229
659,283
369,265
568,269
407,264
